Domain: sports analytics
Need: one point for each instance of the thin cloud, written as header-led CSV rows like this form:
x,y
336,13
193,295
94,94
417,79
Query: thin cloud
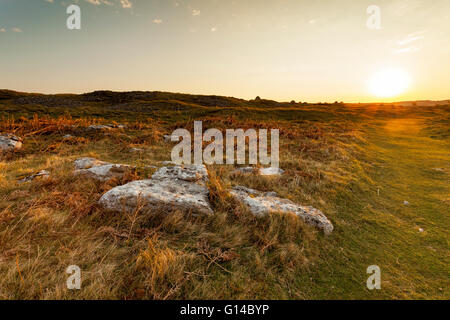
x,y
157,21
2,30
16,29
407,50
195,12
407,45
411,38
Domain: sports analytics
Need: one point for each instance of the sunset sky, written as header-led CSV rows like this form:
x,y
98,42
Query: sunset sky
x,y
299,50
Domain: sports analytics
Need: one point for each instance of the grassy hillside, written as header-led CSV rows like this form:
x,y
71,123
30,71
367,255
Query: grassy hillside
x,y
356,163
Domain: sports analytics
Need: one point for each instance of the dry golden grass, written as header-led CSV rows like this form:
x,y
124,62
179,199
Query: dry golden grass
x,y
49,224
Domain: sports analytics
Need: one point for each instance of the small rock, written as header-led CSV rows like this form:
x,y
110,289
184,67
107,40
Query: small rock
x,y
406,203
136,150
44,174
420,230
244,170
98,127
68,136
262,204
10,142
105,127
86,163
100,170
272,171
178,187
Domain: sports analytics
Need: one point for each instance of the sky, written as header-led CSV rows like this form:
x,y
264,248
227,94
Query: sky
x,y
300,50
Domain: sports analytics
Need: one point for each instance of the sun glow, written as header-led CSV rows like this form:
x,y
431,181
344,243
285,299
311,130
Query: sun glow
x,y
389,83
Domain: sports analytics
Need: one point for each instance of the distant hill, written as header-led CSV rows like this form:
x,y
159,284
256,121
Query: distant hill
x,y
119,99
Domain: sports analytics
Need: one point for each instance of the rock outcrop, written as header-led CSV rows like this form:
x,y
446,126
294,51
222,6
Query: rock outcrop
x,y
100,170
191,173
9,142
177,187
260,203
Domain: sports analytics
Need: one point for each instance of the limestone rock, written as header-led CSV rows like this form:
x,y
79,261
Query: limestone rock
x,y
9,142
177,187
99,127
260,203
244,170
100,170
191,173
87,163
271,171
105,127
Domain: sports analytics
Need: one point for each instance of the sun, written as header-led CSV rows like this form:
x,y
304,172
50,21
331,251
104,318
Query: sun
x,y
389,83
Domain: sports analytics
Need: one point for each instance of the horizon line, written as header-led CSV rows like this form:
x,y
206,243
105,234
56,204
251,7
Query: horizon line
x,y
218,95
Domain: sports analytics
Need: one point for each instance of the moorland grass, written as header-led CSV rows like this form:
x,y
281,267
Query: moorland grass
x,y
357,163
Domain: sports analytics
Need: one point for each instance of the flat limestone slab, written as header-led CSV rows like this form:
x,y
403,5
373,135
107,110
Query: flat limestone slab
x,y
192,173
260,203
178,187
